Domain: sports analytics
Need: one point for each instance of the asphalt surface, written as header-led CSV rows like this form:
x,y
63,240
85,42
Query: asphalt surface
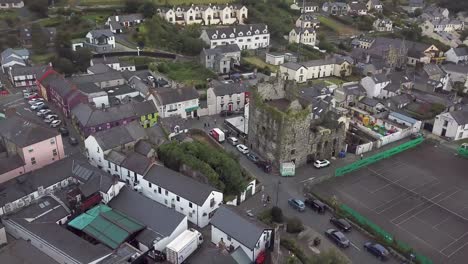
x,y
420,196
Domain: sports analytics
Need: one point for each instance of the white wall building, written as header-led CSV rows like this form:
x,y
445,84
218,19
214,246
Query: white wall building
x,y
383,25
205,14
457,55
11,4
229,97
453,125
181,101
228,228
375,85
250,36
306,36
302,72
185,195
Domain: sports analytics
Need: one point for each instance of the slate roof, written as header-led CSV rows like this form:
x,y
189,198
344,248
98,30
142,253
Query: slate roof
x,y
24,133
99,68
380,78
354,89
99,77
239,227
44,210
65,241
127,17
157,217
120,135
369,101
236,30
20,251
96,33
105,60
171,96
143,147
459,68
115,157
463,51
137,163
461,116
177,183
221,49
356,6
292,65
229,88
10,163
144,108
38,70
93,180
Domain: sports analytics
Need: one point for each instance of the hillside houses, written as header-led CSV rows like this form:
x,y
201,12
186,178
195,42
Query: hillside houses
x,y
250,36
205,14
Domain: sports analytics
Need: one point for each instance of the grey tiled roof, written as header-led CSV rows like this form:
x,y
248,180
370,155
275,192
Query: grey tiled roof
x,y
231,222
463,51
236,30
143,147
120,135
10,163
155,216
221,49
19,251
23,132
137,163
177,183
460,116
99,68
127,17
115,157
369,101
38,70
229,88
101,32
170,96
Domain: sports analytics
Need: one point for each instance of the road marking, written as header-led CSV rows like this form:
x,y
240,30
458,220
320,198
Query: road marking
x,y
14,101
307,180
27,109
356,247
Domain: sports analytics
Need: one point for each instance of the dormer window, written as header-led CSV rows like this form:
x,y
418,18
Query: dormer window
x,y
214,37
241,34
265,31
232,35
249,33
257,32
223,36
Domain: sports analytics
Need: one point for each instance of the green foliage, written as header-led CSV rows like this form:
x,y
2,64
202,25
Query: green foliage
x,y
63,65
158,33
266,217
81,58
216,165
307,52
437,109
291,245
294,225
277,214
131,6
190,73
454,6
40,7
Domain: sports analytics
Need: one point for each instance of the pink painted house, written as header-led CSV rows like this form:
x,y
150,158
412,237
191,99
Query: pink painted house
x,y
26,146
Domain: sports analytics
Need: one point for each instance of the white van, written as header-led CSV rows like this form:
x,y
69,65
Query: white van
x,y
234,141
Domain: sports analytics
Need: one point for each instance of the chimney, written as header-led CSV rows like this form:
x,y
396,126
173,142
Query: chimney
x,y
117,18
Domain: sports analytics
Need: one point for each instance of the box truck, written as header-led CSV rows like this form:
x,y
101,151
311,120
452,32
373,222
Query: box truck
x,y
217,134
182,246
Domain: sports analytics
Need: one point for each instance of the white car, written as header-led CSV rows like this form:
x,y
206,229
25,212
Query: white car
x,y
43,112
35,100
234,141
36,105
55,123
321,163
242,149
50,118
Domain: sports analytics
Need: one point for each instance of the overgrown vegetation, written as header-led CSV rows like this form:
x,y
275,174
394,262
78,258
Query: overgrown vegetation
x,y
160,34
189,73
330,256
219,167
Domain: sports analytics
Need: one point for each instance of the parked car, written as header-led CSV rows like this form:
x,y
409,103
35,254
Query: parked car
x,y
242,148
55,123
73,141
41,107
316,205
337,237
35,100
416,135
50,118
29,95
64,131
36,105
264,165
377,250
341,224
297,204
252,157
321,163
43,112
233,141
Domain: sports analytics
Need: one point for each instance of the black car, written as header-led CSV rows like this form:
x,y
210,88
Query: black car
x,y
63,131
341,223
252,157
377,250
337,237
316,205
73,141
264,165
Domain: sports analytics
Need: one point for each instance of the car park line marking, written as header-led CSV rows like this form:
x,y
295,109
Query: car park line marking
x,y
310,179
458,249
13,102
454,242
356,247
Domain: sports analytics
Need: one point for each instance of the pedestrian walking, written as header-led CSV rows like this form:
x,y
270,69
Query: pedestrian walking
x,y
362,156
263,197
215,121
268,199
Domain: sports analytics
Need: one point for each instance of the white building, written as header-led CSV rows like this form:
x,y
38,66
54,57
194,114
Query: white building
x,y
374,5
399,118
375,85
99,40
452,125
180,101
222,58
5,4
229,97
457,72
302,72
205,14
230,229
185,195
306,36
250,36
457,55
26,76
383,25
114,63
307,21
119,22
14,58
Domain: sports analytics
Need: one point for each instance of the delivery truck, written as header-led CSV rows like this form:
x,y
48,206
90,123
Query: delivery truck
x,y
182,246
217,134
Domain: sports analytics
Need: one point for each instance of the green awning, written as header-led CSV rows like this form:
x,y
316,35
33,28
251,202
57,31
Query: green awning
x,y
190,109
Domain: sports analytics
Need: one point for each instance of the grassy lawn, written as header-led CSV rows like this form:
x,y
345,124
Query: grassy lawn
x,y
99,17
42,58
51,22
139,60
259,63
329,80
337,26
8,14
159,2
189,73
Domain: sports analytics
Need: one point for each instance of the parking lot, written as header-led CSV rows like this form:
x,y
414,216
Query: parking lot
x,y
420,196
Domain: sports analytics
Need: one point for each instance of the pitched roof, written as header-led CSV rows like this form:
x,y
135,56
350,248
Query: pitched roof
x,y
93,179
127,17
99,68
137,163
170,96
96,33
143,147
463,51
19,251
37,70
24,133
369,101
238,226
461,116
238,30
222,89
459,68
120,135
380,78
177,183
10,163
157,217
221,49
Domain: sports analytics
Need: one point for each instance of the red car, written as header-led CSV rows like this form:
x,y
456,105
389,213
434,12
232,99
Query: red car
x,y
32,96
260,258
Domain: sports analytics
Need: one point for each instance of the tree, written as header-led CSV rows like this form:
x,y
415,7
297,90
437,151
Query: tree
x,y
40,7
81,58
148,9
277,214
131,6
39,39
63,45
63,65
294,225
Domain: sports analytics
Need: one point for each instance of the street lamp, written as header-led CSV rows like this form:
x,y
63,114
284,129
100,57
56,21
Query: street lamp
x,y
277,191
138,51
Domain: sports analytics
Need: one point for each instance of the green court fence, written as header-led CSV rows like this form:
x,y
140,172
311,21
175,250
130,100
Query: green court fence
x,y
382,234
379,156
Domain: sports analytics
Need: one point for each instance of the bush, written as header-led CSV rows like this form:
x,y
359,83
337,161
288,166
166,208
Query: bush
x,y
292,246
294,225
277,214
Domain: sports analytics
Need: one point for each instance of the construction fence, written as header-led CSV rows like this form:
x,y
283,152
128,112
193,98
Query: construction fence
x,y
379,156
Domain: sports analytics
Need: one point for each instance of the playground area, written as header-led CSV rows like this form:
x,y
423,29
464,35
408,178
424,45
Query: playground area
x,y
420,196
